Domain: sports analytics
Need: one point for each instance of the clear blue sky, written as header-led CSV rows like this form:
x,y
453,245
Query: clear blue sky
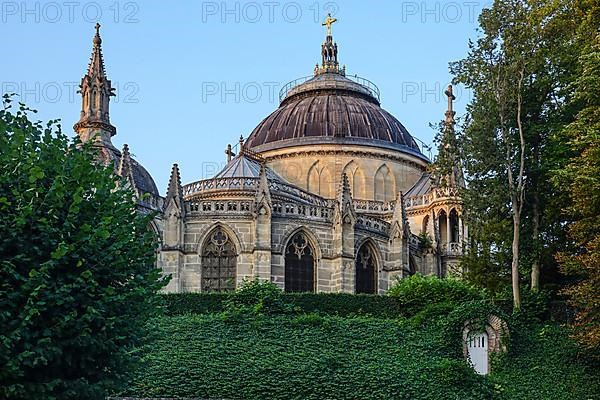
x,y
192,76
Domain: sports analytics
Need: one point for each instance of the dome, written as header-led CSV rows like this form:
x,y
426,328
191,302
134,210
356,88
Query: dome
x,y
331,108
143,179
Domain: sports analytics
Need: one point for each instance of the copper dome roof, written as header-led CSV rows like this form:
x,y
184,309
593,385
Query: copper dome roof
x,y
331,107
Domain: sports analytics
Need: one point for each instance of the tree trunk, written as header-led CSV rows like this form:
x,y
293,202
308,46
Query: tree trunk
x,y
535,265
515,257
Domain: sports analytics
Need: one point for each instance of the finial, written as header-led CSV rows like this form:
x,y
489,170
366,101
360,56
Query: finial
x,y
329,52
97,39
328,22
450,112
229,153
241,143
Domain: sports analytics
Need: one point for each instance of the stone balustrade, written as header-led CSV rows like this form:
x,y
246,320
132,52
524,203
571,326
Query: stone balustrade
x,y
217,184
372,224
430,197
452,249
370,206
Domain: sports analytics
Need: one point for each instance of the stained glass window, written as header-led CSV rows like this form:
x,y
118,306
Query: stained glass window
x,y
219,261
299,265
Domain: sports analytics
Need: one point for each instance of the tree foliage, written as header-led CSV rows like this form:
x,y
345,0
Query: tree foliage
x,y
520,70
581,179
77,274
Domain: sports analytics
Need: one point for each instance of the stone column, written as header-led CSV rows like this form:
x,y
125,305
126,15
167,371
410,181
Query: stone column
x,y
448,232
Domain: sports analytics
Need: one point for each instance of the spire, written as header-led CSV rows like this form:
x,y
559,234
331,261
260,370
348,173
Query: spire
x,y
346,213
174,190
96,66
241,142
125,168
174,211
96,90
329,52
263,193
448,169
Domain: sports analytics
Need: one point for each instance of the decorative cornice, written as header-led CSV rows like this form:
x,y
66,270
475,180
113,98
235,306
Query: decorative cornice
x,y
350,153
95,125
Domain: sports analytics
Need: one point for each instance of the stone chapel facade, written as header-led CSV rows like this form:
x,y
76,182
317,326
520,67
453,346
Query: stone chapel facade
x,y
329,193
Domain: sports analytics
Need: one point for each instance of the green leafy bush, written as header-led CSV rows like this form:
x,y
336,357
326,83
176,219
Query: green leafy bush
x,y
534,305
194,303
544,362
257,297
77,275
417,292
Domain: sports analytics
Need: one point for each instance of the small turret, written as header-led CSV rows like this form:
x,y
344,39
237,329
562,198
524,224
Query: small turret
x,y
96,90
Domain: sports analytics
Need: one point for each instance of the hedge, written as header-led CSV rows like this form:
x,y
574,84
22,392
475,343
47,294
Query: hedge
x,y
407,297
342,304
311,356
304,357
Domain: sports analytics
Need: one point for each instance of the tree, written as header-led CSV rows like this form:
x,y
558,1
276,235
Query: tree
x,y
520,70
496,69
581,180
77,274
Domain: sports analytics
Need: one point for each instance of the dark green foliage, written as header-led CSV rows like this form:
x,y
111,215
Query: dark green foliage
x,y
535,305
417,292
194,303
77,276
258,298
544,363
342,304
300,357
312,356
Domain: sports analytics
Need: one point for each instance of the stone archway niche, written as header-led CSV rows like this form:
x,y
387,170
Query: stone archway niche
x,y
479,343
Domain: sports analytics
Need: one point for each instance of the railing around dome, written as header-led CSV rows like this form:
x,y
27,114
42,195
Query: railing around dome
x,y
367,84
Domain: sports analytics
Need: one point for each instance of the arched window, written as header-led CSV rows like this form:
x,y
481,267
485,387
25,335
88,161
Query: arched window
x,y
385,189
299,265
356,178
313,179
218,263
454,228
366,270
425,227
443,224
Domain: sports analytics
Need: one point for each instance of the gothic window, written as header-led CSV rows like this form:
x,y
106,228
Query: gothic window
x,y
366,270
218,263
454,228
443,224
299,265
385,189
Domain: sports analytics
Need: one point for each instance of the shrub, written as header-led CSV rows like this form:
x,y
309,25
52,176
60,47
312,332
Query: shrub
x,y
257,297
417,292
77,276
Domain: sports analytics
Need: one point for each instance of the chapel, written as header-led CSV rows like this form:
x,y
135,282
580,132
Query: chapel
x,y
329,193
